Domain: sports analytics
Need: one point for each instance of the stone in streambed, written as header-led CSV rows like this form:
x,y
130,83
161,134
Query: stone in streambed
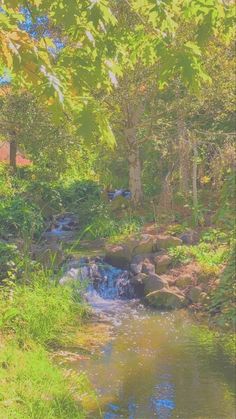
x,y
148,268
153,282
136,268
118,256
165,299
137,281
162,263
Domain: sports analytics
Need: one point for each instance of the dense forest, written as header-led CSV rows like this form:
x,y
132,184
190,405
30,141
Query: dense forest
x,y
117,158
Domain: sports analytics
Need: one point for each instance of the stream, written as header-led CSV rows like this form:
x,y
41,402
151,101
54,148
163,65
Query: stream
x,y
156,364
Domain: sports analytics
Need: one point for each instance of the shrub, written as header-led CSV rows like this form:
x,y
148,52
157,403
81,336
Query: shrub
x,y
223,299
19,217
9,261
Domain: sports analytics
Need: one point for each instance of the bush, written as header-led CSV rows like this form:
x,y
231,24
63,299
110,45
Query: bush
x,y
223,299
19,217
9,261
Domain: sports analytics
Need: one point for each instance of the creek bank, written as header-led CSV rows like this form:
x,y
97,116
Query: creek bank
x,y
145,270
153,274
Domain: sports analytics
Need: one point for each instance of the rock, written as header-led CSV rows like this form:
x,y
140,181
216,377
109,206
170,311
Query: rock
x,y
136,268
145,245
131,243
137,282
194,294
153,283
118,256
162,263
148,268
71,276
142,258
189,237
163,242
184,281
165,299
140,278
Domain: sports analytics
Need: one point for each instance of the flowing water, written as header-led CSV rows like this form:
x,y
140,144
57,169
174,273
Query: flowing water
x,y
157,364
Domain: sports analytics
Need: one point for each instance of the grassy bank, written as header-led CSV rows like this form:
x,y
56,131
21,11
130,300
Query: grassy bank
x,y
35,318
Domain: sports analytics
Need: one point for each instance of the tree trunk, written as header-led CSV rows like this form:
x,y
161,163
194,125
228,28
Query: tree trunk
x,y
183,149
135,178
132,116
13,152
195,193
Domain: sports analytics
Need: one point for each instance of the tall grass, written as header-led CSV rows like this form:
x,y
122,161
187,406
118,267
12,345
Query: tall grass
x,y
34,318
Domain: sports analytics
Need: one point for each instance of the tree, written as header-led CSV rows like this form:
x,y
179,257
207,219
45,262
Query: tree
x,y
27,126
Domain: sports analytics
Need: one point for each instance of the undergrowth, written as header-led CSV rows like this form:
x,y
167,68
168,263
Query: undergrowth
x,y
210,253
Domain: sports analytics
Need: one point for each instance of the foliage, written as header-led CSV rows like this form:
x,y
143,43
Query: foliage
x,y
107,225
211,253
9,261
80,195
223,299
19,217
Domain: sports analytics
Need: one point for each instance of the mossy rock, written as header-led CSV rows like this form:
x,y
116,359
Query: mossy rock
x,y
118,256
165,299
162,263
145,245
153,282
164,242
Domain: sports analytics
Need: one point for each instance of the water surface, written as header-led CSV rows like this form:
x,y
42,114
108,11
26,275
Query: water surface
x,y
160,365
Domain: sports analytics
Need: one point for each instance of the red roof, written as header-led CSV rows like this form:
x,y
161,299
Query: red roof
x,y
21,160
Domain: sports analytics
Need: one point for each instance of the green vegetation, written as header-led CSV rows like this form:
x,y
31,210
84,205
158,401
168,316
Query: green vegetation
x,y
32,387
211,256
35,318
98,96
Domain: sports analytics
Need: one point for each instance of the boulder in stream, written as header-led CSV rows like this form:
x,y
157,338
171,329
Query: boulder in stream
x,y
118,256
153,282
165,299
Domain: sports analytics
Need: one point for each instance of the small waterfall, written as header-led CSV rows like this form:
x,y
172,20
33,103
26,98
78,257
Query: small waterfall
x,y
105,283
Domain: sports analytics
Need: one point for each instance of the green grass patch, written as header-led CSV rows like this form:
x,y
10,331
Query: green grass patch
x,y
40,311
211,253
31,386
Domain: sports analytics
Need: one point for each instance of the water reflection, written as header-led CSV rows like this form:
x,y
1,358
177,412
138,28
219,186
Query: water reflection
x,y
155,367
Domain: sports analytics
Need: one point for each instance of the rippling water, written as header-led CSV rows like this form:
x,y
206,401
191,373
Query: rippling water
x,y
157,364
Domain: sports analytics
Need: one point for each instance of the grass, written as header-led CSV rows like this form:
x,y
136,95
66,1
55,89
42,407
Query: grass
x,y
210,253
33,387
34,319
